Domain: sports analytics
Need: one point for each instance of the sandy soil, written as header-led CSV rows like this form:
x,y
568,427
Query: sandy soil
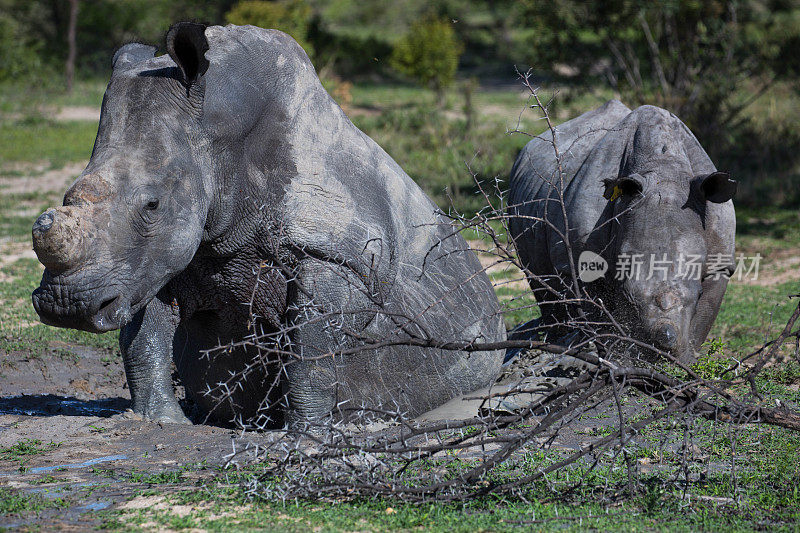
x,y
37,179
780,267
87,113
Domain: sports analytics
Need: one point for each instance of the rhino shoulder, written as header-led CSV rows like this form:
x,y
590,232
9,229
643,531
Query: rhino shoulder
x,y
574,139
651,115
317,209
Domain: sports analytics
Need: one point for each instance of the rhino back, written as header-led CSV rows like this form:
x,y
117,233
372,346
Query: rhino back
x,y
343,199
535,170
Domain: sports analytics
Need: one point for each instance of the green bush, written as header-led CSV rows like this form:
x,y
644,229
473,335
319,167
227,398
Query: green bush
x,y
428,54
19,59
433,149
289,16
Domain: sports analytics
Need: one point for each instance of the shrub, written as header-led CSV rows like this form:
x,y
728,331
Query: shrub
x,y
18,59
289,16
429,54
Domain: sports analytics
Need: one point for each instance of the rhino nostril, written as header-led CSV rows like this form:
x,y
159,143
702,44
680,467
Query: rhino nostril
x,y
666,337
107,303
43,223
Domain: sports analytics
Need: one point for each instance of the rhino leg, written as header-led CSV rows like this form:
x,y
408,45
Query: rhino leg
x,y
146,344
555,315
313,386
707,309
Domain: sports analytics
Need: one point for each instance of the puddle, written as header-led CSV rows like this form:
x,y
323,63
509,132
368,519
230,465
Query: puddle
x,y
96,506
85,464
51,405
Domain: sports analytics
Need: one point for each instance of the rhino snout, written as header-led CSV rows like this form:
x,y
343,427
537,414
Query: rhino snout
x,y
666,337
58,236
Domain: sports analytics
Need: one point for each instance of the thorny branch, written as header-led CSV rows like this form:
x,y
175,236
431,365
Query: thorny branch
x,y
377,450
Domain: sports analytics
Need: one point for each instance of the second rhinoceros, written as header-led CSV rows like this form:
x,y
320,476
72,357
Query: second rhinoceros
x,y
651,224
229,200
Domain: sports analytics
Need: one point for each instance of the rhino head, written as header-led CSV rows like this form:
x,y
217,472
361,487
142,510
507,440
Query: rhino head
x,y
668,233
136,215
184,138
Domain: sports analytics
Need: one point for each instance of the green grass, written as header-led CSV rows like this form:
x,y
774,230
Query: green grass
x,y
22,451
767,230
18,211
35,139
763,494
159,478
49,478
751,314
24,448
41,98
14,502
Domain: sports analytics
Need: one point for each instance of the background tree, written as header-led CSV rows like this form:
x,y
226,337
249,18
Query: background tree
x,y
71,44
20,57
429,54
707,62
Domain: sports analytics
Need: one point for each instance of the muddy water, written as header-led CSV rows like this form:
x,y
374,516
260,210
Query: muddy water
x,y
89,444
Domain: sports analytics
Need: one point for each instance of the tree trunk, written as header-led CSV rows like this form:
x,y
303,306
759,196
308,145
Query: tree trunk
x,y
71,31
469,106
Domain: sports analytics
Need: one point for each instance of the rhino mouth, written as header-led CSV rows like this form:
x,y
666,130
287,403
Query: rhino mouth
x,y
62,303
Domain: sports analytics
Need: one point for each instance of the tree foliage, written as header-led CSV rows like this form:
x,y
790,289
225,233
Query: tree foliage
x,y
19,58
695,58
429,53
35,39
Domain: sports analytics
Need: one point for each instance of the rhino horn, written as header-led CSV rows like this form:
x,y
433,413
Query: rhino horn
x,y
58,238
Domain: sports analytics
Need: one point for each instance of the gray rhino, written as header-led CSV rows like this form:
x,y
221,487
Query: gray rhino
x,y
225,184
641,193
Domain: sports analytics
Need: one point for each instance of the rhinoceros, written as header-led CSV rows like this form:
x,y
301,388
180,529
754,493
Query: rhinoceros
x,y
229,201
651,225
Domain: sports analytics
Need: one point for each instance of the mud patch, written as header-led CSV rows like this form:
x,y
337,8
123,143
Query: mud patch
x,y
83,446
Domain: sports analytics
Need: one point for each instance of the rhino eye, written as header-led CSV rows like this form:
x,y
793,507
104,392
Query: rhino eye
x,y
151,204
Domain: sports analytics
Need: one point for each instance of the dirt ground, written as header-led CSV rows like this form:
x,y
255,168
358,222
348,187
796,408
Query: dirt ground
x,y
73,405
76,409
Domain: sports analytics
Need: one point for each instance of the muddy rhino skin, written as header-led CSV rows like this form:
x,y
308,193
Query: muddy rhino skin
x,y
635,182
223,179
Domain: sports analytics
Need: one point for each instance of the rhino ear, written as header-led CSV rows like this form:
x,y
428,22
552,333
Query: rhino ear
x,y
718,187
132,53
187,46
627,185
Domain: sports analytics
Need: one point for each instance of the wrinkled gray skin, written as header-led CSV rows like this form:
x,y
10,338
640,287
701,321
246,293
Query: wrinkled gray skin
x,y
671,200
226,160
